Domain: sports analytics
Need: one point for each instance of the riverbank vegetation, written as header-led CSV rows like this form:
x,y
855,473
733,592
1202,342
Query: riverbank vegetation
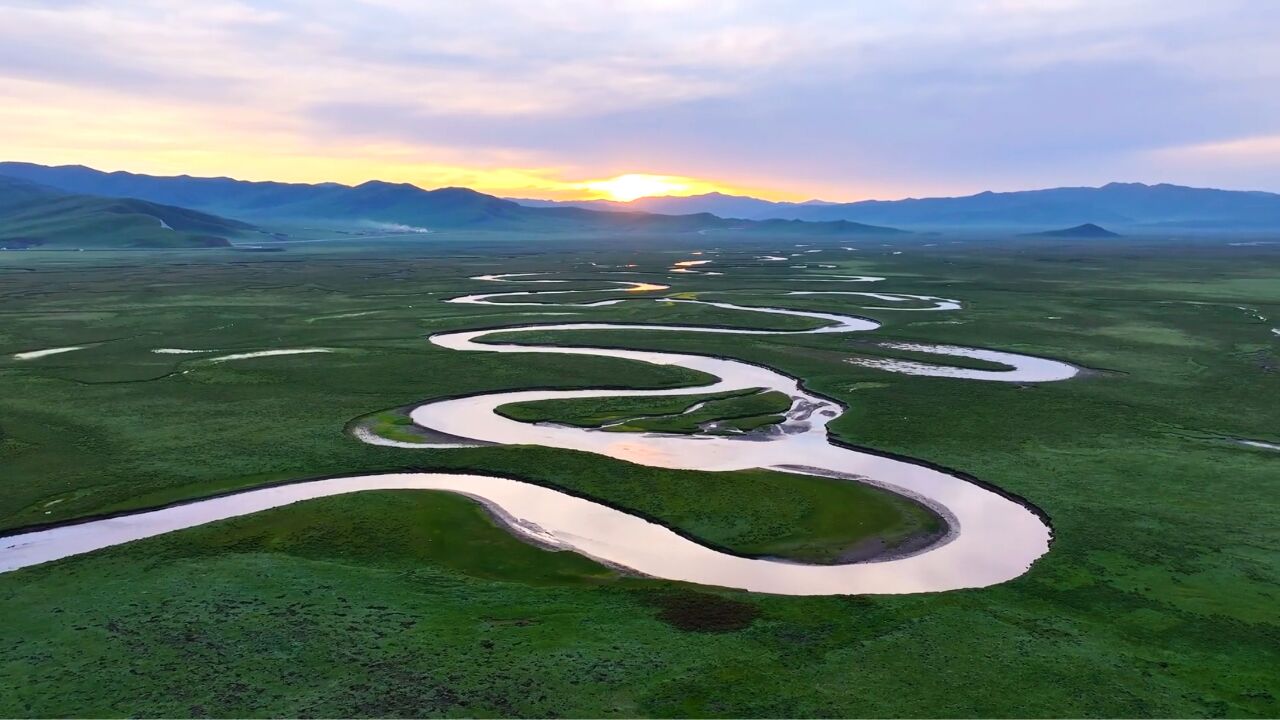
x,y
727,412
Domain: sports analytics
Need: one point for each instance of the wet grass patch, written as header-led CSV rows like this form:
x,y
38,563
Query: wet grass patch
x,y
702,612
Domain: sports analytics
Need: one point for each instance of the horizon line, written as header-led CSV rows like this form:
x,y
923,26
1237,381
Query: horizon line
x,y
605,200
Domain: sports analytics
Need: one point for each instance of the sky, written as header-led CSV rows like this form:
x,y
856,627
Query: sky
x,y
558,99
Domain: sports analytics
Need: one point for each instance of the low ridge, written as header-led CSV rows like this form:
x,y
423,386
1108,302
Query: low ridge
x,y
1087,230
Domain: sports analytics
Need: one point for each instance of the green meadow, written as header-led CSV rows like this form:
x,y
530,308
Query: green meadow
x,y
1158,597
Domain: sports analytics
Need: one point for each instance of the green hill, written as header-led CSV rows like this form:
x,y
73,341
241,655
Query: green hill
x,y
34,215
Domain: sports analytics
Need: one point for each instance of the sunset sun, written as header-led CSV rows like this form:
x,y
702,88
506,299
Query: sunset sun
x,y
625,188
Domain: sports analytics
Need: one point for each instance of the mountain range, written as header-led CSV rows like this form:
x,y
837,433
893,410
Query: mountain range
x,y
1129,205
77,206
399,204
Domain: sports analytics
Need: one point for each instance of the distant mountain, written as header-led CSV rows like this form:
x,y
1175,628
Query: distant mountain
x,y
33,215
1087,230
395,203
1129,205
726,206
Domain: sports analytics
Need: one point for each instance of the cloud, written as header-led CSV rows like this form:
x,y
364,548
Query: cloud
x,y
830,98
1240,163
1250,150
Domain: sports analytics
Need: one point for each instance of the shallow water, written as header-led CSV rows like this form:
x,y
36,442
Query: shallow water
x,y
1022,368
33,354
268,353
939,303
504,278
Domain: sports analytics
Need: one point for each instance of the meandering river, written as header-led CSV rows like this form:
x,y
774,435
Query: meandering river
x,y
993,537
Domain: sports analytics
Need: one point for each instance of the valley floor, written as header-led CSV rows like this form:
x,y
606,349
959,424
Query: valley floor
x,y
1156,599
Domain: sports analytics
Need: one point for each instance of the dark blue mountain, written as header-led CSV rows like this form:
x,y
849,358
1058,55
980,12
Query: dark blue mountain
x,y
1087,230
1128,205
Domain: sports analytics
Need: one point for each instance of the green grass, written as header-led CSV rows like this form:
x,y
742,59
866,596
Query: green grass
x,y
1157,598
743,412
740,409
595,412
392,425
751,422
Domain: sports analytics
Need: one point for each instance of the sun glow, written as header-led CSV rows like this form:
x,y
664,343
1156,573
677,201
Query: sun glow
x,y
47,125
625,188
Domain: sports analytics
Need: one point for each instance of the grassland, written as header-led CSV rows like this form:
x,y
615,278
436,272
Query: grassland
x,y
1157,598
